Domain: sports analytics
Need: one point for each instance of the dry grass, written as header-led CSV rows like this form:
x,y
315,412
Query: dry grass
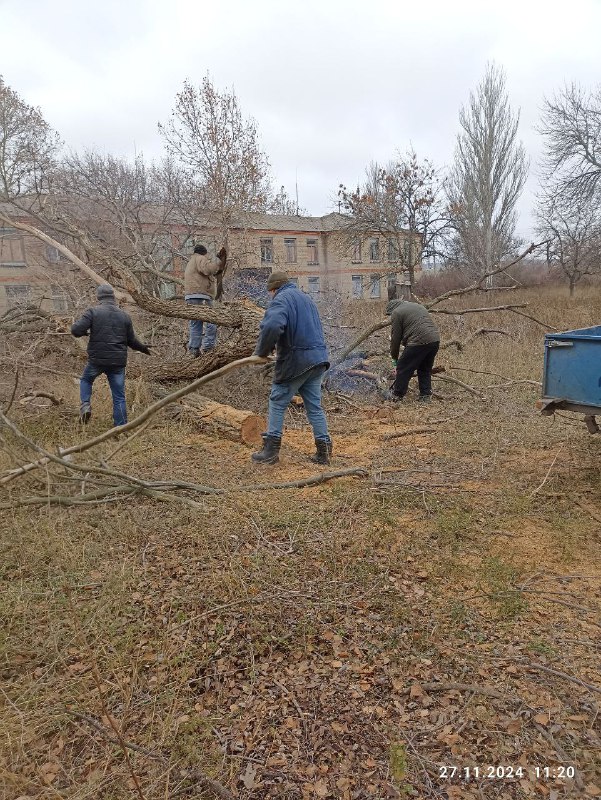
x,y
287,643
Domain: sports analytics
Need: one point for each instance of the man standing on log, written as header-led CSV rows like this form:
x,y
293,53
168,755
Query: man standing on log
x,y
111,333
414,328
200,287
292,325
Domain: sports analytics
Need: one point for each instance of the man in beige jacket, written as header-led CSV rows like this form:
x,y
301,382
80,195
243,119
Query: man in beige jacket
x,y
200,288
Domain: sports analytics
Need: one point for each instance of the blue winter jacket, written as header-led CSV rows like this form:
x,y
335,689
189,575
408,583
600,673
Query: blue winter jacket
x,y
291,324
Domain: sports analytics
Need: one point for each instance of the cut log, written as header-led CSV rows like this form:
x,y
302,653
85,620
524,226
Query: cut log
x,y
232,423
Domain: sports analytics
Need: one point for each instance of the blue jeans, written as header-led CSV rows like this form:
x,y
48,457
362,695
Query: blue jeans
x,y
196,327
308,385
116,379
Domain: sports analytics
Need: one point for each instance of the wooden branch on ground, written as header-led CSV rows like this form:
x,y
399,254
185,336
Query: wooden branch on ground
x,y
201,780
56,401
14,392
135,423
236,424
314,480
463,687
558,674
132,485
460,312
409,432
593,513
457,382
461,345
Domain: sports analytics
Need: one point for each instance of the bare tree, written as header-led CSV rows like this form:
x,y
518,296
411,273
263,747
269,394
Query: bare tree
x,y
219,150
488,175
28,147
282,203
573,237
571,127
402,205
132,210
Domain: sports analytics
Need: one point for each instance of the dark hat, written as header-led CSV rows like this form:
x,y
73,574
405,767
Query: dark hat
x,y
277,279
105,290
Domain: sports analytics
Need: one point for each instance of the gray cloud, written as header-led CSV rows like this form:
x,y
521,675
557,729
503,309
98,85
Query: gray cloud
x,y
332,85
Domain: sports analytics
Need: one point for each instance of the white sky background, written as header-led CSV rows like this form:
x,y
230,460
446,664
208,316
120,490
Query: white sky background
x,y
332,85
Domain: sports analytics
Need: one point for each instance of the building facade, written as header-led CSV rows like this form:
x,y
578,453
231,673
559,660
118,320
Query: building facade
x,y
31,272
317,252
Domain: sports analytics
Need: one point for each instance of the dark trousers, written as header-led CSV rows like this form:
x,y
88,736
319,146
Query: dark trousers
x,y
415,358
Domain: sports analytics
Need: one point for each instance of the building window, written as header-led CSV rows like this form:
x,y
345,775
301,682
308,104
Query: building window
x,y
374,287
12,249
312,256
393,250
392,279
52,254
313,285
356,258
294,281
167,290
290,247
374,250
266,251
60,301
357,286
17,294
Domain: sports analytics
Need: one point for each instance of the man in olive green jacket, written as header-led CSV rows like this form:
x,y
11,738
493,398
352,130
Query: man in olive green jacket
x,y
414,328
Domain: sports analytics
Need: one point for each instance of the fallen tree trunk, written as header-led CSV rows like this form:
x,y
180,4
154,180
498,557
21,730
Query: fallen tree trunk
x,y
236,424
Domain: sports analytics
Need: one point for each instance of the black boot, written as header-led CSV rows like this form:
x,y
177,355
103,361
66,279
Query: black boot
x,y
324,452
270,452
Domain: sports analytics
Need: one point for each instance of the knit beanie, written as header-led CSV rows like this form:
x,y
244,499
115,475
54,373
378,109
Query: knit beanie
x,y
105,290
277,279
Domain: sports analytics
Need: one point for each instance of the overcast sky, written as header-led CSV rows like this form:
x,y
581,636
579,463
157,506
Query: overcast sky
x,y
332,84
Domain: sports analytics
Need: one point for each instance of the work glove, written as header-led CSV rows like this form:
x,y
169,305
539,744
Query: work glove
x,y
146,350
394,362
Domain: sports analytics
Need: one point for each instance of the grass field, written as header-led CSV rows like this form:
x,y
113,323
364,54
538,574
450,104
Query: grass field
x,y
431,630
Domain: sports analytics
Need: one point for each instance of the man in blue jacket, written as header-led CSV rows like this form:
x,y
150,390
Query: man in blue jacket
x,y
292,326
111,333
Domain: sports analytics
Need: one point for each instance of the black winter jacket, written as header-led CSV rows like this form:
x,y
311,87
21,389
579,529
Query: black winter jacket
x,y
111,333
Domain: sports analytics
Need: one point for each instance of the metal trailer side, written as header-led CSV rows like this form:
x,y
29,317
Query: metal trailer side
x,y
572,374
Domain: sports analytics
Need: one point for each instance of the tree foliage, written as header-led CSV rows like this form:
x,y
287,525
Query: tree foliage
x,y
401,204
571,127
219,150
28,146
488,175
573,236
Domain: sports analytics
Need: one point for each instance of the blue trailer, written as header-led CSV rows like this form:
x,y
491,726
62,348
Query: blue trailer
x,y
572,374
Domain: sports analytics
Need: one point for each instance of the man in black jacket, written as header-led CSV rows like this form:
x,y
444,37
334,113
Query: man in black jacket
x,y
111,333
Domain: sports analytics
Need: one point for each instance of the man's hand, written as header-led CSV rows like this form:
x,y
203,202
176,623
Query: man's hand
x,y
394,362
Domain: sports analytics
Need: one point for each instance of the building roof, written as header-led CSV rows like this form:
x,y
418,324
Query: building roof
x,y
292,222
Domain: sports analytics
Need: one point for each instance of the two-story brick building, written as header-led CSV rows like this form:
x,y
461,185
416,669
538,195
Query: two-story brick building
x,y
317,252
31,271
